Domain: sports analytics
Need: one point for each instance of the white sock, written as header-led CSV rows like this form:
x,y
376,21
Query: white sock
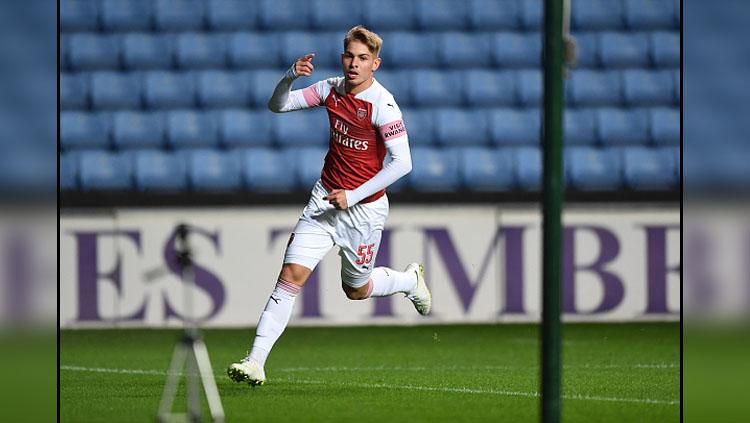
x,y
274,319
384,282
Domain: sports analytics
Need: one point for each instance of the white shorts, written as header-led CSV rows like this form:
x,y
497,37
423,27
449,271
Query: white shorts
x,y
356,230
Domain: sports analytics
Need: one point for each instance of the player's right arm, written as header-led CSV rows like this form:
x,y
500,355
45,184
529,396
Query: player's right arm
x,y
286,100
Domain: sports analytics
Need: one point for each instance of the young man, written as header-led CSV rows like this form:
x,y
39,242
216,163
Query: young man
x,y
348,206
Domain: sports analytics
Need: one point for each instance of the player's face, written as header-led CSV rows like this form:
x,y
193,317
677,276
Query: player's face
x,y
358,63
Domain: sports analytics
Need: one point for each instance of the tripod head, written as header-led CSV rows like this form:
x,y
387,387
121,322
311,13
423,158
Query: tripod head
x,y
182,247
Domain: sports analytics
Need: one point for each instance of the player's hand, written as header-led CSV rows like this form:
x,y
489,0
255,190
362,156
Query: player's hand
x,y
303,66
337,198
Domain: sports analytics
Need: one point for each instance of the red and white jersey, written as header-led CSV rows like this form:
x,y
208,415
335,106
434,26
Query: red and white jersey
x,y
360,126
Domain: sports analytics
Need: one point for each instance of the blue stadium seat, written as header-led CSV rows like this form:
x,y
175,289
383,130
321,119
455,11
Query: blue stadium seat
x,y
308,163
227,15
213,170
147,51
435,88
164,90
665,49
263,82
308,128
648,169
397,83
321,74
284,14
79,15
434,170
178,15
459,127
223,89
485,169
618,49
516,49
529,87
254,50
464,50
101,170
642,87
84,130
240,127
264,169
594,88
157,170
92,51
515,126
491,15
490,88
597,14
531,14
128,15
295,44
590,169
410,50
665,125
649,14
68,171
383,15
580,126
587,49
441,15
420,126
616,126
528,168
189,128
200,50
138,130
74,91
64,53
328,15
115,90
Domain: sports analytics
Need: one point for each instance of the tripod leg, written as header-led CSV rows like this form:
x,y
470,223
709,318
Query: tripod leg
x,y
173,379
209,384
193,387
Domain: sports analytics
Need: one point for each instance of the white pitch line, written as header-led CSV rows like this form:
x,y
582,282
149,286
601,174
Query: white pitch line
x,y
407,387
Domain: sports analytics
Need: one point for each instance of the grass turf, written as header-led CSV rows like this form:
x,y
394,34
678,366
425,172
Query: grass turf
x,y
612,372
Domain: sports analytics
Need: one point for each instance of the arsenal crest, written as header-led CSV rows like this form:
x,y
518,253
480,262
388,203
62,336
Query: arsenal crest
x,y
361,113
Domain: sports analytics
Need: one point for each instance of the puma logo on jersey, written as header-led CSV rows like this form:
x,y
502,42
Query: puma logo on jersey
x,y
335,100
391,105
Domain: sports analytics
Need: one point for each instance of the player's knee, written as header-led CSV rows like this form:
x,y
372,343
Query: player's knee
x,y
355,293
294,273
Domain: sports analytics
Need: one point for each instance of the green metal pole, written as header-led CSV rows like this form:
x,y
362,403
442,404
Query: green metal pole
x,y
551,226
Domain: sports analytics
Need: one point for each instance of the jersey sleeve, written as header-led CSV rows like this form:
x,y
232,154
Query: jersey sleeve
x,y
314,95
390,122
285,100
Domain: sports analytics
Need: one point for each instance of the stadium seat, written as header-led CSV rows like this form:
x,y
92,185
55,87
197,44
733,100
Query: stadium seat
x,y
617,127
306,128
147,51
528,168
254,50
330,15
587,49
594,88
397,83
84,130
127,15
410,50
492,15
73,91
529,87
441,15
79,15
295,44
228,15
435,88
420,126
64,52
68,171
590,169
284,14
163,90
665,125
489,88
642,87
308,163
620,49
138,130
223,89
157,170
178,15
514,126
434,170
596,14
263,82
115,90
464,50
92,51
101,170
649,14
244,128
460,127
264,169
189,128
580,126
665,49
383,15
531,14
648,169
516,49
200,50
213,170
485,169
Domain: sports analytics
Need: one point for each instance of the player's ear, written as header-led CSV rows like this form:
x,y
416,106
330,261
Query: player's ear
x,y
376,64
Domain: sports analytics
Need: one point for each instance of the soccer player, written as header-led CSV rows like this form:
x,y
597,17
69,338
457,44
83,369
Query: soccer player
x,y
348,206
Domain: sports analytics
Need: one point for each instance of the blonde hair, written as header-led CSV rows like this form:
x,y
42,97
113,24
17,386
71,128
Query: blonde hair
x,y
366,37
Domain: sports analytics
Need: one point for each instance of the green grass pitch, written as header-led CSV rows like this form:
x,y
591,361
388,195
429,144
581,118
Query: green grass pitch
x,y
468,373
